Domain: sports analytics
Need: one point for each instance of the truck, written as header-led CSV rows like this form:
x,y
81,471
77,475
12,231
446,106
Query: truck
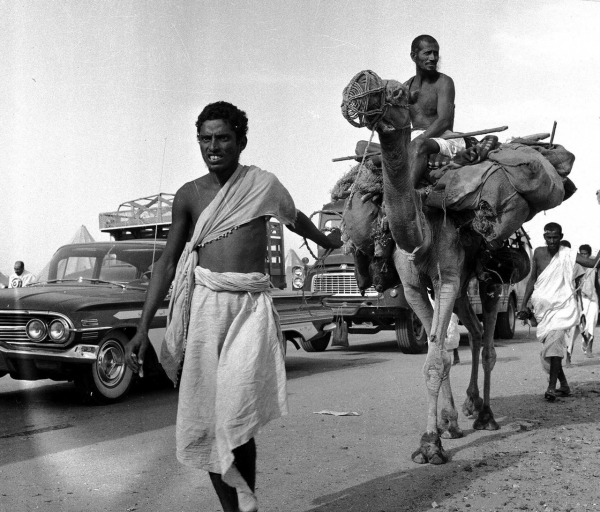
x,y
355,313
373,312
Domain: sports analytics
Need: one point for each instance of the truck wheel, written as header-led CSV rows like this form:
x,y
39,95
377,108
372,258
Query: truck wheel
x,y
108,379
316,344
505,323
410,333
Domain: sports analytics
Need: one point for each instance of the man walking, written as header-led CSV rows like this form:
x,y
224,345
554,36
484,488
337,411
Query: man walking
x,y
554,302
589,303
221,316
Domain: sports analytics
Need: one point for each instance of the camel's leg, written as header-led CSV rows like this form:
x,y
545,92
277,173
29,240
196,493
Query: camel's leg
x,y
436,370
490,296
473,403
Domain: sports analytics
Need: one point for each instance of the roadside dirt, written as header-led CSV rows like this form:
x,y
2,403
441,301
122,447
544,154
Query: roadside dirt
x,y
547,460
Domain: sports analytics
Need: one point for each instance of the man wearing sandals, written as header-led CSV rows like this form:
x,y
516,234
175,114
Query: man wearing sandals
x,y
554,302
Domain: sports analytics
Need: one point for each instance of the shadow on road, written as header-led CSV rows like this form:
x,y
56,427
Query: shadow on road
x,y
417,488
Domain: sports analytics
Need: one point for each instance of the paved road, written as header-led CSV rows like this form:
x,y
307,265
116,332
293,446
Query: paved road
x,y
57,455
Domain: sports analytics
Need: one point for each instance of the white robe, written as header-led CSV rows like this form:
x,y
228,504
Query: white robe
x,y
555,305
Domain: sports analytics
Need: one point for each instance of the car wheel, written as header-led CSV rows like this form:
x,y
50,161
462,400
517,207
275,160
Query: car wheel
x,y
410,333
505,323
108,379
316,344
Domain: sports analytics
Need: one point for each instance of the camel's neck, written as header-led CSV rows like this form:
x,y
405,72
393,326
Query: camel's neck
x,y
401,202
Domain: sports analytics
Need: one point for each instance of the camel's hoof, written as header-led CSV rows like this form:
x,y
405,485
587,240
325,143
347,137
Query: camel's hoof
x,y
451,433
485,420
472,407
430,451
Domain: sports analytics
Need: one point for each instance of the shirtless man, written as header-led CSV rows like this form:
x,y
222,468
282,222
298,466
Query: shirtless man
x,y
230,315
431,107
554,303
431,103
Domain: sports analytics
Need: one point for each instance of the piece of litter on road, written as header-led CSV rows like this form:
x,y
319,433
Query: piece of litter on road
x,y
338,413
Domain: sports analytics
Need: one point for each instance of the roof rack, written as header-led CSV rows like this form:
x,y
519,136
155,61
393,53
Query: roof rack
x,y
153,210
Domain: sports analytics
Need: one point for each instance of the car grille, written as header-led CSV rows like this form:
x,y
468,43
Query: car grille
x,y
12,327
339,283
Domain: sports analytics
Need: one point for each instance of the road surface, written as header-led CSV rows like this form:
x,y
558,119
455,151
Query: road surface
x,y
58,455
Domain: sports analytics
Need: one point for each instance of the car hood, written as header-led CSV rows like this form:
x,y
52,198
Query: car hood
x,y
67,298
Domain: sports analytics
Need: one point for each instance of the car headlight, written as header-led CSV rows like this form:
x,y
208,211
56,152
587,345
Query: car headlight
x,y
36,330
59,330
297,277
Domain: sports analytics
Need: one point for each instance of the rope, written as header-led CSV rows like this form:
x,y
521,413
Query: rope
x,y
323,230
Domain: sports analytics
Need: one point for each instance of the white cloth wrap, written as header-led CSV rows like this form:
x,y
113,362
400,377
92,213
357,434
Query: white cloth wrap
x,y
250,193
448,147
233,380
589,300
555,305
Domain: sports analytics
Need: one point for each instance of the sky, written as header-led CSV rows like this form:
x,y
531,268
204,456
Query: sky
x,y
99,99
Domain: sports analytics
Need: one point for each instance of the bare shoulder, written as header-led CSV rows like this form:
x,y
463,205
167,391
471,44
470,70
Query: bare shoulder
x,y
445,83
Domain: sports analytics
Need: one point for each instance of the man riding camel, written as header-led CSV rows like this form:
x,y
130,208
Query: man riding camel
x,y
431,107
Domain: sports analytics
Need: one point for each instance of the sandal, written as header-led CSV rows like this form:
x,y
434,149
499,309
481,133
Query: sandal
x,y
550,396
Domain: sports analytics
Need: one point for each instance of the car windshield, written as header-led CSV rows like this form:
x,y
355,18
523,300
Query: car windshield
x,y
105,263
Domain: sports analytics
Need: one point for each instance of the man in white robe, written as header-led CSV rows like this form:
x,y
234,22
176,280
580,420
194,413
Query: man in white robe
x,y
21,277
222,323
554,303
589,303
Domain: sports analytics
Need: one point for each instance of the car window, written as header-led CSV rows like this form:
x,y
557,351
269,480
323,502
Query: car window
x,y
74,267
117,270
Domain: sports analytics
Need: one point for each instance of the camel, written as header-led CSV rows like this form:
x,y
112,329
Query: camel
x,y
429,252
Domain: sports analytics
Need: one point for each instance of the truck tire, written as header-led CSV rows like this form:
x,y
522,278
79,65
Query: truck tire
x,y
410,334
316,344
108,379
505,323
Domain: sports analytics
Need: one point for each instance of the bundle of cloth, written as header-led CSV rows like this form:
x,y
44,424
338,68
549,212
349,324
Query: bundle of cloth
x,y
503,187
365,229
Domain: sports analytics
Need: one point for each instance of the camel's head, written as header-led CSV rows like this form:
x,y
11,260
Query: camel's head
x,y
375,103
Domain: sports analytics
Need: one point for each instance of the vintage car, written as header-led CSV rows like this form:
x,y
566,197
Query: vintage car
x,y
75,324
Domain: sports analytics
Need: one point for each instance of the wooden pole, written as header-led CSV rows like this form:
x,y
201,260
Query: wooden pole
x,y
452,135
352,157
552,136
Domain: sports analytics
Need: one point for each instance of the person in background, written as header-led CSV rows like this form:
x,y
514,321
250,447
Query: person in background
x,y
555,306
589,303
21,277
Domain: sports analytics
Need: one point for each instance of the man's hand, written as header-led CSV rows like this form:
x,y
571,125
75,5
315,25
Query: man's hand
x,y
136,351
335,239
525,314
